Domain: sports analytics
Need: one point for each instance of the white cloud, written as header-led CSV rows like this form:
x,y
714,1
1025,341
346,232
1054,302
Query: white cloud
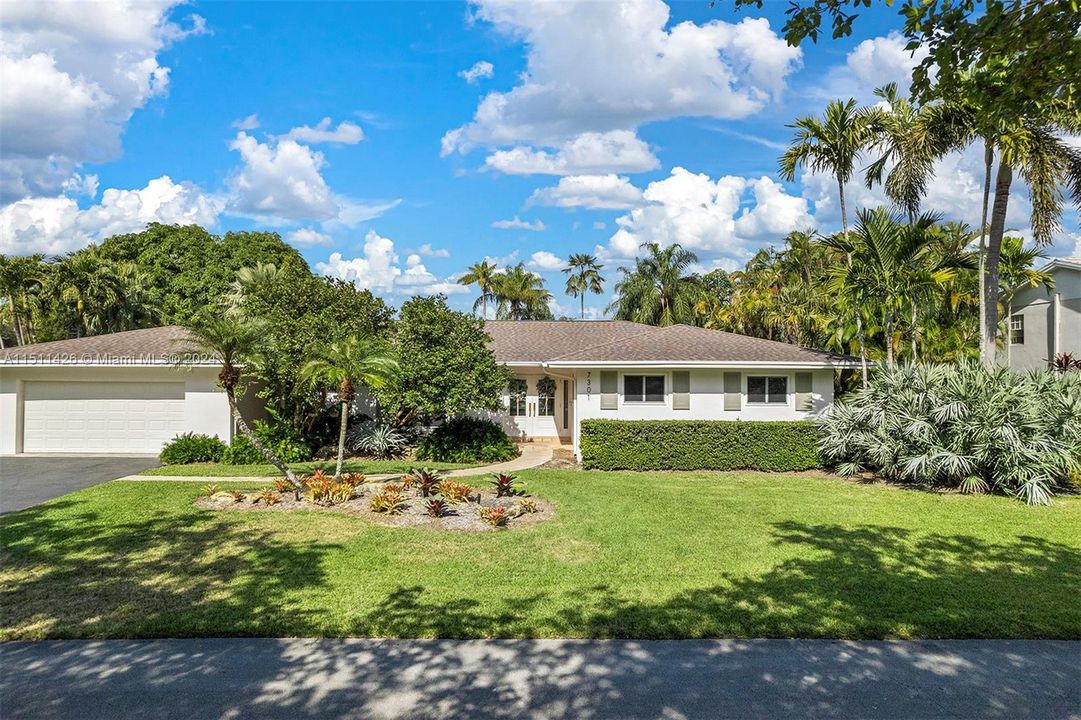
x,y
587,154
428,251
708,216
544,260
352,213
71,76
57,225
596,192
480,69
307,237
517,223
347,133
280,182
598,225
872,64
627,70
379,269
250,122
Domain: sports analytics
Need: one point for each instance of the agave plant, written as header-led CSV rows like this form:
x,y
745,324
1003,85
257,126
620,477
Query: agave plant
x,y
379,441
961,426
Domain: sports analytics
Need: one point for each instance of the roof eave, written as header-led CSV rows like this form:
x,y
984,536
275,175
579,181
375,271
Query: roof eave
x,y
829,363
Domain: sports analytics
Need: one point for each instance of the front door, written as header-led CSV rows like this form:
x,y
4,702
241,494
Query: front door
x,y
535,406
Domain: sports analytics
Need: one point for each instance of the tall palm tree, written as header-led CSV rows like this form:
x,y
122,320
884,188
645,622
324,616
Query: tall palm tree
x,y
482,275
247,279
583,275
830,144
659,290
1016,271
521,295
85,282
346,364
233,340
19,276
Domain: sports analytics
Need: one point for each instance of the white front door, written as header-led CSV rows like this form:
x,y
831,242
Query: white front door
x,y
536,406
101,417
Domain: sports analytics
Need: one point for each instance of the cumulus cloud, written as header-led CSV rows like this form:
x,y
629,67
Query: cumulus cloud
x,y
56,224
380,270
251,122
627,70
517,223
347,133
596,192
480,69
872,64
279,182
427,250
705,215
544,260
307,237
589,153
71,76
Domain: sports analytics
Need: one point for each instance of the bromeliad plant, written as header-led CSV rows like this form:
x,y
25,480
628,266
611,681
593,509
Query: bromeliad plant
x,y
961,426
495,516
455,492
504,484
436,507
425,480
388,502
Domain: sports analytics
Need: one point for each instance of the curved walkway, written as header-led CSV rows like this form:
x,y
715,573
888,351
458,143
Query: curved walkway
x,y
533,455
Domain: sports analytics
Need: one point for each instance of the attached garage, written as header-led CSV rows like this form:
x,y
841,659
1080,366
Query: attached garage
x,y
107,394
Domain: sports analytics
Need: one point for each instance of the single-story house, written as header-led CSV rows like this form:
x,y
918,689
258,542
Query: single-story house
x,y
124,393
1046,321
569,371
119,393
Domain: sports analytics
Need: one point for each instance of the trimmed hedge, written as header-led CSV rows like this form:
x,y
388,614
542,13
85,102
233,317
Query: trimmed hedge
x,y
699,445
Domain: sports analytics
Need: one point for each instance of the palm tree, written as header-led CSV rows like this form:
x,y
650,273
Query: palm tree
x,y
659,290
828,144
482,275
248,278
19,275
345,364
84,281
1015,272
521,295
583,275
233,340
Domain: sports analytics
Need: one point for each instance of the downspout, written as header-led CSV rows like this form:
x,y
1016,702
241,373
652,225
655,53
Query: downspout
x,y
1056,334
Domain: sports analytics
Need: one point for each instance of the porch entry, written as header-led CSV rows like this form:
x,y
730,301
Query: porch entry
x,y
542,406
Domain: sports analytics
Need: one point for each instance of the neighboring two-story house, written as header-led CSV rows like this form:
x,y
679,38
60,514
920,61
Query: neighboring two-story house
x,y
1043,322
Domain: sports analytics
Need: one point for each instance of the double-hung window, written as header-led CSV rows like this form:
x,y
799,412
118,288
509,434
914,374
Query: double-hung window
x,y
767,389
546,397
517,398
1017,330
643,388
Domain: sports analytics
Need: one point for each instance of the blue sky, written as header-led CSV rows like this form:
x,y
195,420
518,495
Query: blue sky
x,y
583,127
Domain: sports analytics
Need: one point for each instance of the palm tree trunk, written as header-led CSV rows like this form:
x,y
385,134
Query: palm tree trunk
x,y
889,337
914,326
863,345
582,312
994,248
242,425
15,329
988,161
341,441
1009,328
844,210
483,304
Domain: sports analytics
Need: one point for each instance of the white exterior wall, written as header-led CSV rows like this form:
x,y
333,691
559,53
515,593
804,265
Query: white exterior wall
x,y
206,409
706,396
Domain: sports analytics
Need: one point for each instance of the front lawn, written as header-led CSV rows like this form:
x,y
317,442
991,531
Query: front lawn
x,y
626,555
368,467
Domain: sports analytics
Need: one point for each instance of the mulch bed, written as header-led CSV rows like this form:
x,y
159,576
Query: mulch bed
x,y
462,517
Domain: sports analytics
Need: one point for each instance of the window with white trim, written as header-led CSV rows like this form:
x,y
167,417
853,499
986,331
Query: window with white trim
x,y
767,389
546,397
643,388
517,397
1017,330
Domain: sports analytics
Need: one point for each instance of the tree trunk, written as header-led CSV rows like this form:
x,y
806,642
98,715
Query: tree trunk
x,y
483,304
994,248
230,394
889,337
988,161
863,346
582,313
18,334
915,324
1009,329
844,210
341,441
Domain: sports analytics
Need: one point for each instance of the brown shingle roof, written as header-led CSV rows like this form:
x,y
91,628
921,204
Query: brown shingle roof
x,y
135,347
581,342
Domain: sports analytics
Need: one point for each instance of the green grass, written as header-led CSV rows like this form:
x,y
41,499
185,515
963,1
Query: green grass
x,y
368,467
627,555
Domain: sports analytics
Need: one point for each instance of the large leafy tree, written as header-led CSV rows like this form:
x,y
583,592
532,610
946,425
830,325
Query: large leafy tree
x,y
445,365
583,276
345,365
659,289
482,275
236,342
21,278
521,295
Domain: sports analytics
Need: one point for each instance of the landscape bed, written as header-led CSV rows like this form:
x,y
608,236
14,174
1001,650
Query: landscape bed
x,y
673,555
368,467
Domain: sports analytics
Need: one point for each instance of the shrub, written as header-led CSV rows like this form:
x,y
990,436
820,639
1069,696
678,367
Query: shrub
x,y
466,440
388,502
962,426
282,438
379,441
192,448
495,516
504,484
455,492
699,445
425,480
436,507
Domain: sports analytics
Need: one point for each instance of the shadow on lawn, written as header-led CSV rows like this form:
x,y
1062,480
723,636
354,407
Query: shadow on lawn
x,y
79,575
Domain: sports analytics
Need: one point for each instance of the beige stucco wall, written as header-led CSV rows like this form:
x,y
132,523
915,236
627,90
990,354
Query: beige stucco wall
x,y
1052,321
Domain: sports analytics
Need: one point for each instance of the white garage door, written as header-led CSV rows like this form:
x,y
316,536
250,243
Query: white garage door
x,y
101,417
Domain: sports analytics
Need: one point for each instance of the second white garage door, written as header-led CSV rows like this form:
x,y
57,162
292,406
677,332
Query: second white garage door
x,y
101,417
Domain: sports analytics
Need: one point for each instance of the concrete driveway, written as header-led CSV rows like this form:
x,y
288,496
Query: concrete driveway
x,y
585,679
26,480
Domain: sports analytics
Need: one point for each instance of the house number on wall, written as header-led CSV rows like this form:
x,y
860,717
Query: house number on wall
x,y
589,384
